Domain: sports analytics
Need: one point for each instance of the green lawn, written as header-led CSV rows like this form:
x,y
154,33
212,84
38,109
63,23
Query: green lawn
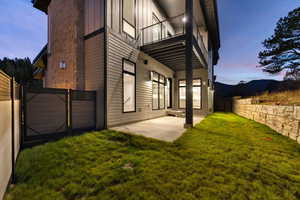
x,y
223,157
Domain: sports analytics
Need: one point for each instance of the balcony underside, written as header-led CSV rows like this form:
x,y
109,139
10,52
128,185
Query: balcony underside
x,y
171,52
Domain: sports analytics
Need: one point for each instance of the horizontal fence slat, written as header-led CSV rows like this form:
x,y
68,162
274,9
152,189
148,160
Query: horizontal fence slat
x,y
4,87
56,112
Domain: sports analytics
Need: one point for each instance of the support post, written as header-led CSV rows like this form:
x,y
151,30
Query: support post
x,y
189,63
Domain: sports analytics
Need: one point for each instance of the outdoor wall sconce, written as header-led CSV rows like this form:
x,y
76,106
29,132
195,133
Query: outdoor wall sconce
x,y
62,65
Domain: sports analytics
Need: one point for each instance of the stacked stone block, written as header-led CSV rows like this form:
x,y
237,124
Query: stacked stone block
x,y
283,119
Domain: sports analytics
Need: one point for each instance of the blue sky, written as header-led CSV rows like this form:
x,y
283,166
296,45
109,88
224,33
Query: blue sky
x,y
244,24
23,31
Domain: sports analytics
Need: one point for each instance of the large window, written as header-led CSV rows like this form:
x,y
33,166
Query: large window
x,y
158,91
169,93
197,102
129,18
129,86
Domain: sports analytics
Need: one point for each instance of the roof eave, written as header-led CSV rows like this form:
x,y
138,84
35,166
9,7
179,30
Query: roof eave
x,y
212,21
41,5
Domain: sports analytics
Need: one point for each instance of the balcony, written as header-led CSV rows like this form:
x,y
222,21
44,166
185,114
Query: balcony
x,y
165,41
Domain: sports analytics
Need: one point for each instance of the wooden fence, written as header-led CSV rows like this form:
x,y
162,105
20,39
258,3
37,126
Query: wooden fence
x,y
50,114
223,104
32,116
9,129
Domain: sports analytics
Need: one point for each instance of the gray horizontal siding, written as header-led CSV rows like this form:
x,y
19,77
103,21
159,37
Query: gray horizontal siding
x,y
116,51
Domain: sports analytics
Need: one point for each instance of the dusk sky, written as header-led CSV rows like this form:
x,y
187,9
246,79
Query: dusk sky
x,y
244,24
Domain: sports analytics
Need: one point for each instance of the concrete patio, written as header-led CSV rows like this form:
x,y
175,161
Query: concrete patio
x,y
164,128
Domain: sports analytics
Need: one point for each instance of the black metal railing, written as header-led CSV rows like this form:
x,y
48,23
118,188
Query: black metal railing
x,y
199,38
169,28
162,30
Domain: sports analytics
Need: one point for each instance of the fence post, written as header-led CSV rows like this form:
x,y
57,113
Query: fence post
x,y
70,111
24,113
95,108
21,116
12,93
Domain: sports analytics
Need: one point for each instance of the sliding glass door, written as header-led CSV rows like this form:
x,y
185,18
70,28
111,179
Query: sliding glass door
x,y
197,94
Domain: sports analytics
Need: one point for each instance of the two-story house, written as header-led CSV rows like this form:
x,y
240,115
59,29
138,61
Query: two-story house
x,y
142,57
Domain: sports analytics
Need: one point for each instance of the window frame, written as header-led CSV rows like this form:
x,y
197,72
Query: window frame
x,y
132,74
159,86
170,92
124,20
201,84
163,84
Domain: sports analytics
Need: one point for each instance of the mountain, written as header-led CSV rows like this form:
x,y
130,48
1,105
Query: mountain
x,y
254,87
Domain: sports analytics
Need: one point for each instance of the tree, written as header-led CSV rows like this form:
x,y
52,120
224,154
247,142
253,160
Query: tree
x,y
21,69
282,50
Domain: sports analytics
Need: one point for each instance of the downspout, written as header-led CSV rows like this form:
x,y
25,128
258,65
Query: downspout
x,y
105,64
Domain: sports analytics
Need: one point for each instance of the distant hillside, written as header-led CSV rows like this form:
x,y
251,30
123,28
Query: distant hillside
x,y
254,88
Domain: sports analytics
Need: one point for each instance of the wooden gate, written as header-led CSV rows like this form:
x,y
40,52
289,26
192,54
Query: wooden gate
x,y
45,113
49,114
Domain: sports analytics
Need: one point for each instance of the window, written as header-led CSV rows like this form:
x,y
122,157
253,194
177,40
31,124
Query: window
x,y
196,94
169,93
155,94
129,86
158,91
129,20
182,93
162,82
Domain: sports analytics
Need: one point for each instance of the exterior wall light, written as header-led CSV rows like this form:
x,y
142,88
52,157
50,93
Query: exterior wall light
x,y
62,65
184,19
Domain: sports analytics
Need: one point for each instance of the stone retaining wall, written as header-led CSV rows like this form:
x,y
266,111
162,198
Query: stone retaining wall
x,y
283,119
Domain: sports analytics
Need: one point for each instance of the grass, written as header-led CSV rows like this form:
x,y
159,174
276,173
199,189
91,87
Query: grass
x,y
223,157
289,97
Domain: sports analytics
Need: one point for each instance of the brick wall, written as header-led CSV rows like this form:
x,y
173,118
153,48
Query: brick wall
x,y
283,119
66,27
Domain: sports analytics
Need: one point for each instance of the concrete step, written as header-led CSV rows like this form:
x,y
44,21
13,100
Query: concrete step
x,y
176,113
